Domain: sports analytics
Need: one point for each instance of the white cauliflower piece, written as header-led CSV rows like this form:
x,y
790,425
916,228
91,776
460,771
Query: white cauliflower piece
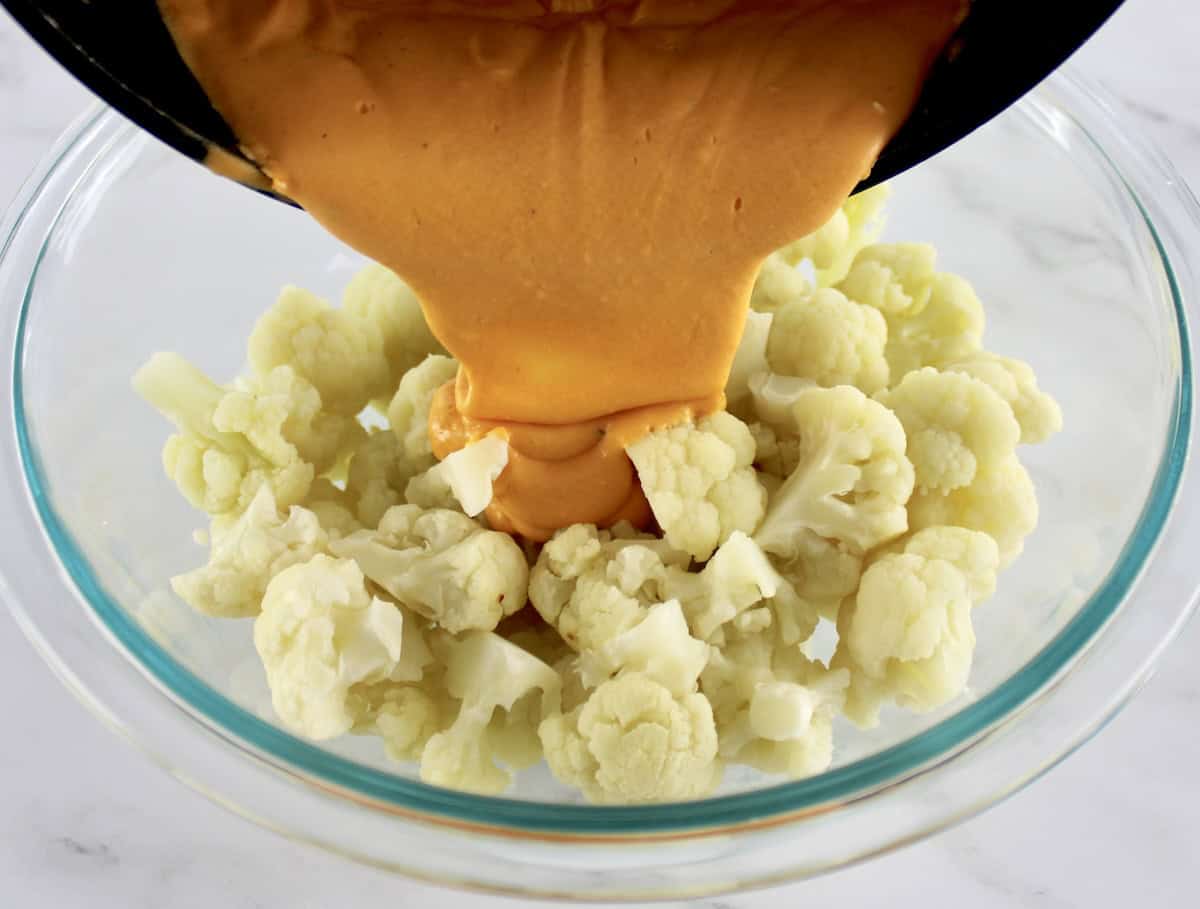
x,y
830,340
832,247
822,572
320,634
247,554
1038,414
378,297
737,578
339,353
779,282
894,278
486,674
775,456
948,328
907,636
231,443
955,425
464,480
408,412
406,717
442,565
659,647
774,708
749,359
853,479
378,477
973,553
633,741
592,587
1000,502
700,482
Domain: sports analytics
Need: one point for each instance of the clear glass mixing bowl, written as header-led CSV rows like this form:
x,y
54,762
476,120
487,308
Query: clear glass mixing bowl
x,y
1076,237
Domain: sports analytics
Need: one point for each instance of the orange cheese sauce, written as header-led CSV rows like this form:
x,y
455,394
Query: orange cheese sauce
x,y
581,192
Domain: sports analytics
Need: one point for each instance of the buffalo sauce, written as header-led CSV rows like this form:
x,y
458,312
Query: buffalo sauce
x,y
580,192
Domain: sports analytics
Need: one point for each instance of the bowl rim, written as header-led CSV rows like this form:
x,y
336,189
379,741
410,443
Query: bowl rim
x,y
773,804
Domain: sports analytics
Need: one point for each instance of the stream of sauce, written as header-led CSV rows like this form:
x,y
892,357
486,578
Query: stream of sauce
x,y
581,192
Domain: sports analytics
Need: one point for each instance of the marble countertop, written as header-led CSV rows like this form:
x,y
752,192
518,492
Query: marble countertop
x,y
86,821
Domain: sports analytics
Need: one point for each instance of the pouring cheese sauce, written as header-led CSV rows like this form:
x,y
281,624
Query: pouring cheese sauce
x,y
581,192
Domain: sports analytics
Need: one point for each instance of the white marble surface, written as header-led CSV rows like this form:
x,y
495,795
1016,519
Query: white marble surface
x,y
85,821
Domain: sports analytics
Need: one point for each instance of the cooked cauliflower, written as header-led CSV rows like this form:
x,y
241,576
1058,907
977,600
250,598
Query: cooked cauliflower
x,y
442,565
659,647
592,586
749,359
320,634
408,412
831,340
378,297
774,708
342,355
853,479
486,674
1038,414
737,578
907,636
822,572
955,425
464,479
378,476
699,480
779,282
234,441
894,278
832,247
246,555
634,741
1000,501
948,328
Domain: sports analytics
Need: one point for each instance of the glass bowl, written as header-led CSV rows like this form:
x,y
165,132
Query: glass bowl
x,y
1074,235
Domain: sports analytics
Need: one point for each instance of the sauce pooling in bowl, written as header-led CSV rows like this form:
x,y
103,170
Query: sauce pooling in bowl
x,y
580,191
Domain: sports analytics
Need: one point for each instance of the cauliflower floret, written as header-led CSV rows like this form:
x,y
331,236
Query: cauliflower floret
x,y
333,507
700,482
246,555
1038,414
853,479
907,635
894,278
830,340
408,413
442,565
659,647
378,477
377,296
749,359
406,717
955,425
486,673
232,442
832,247
1000,502
342,355
822,572
779,282
464,479
775,456
320,634
948,328
633,741
737,578
972,552
773,707
592,586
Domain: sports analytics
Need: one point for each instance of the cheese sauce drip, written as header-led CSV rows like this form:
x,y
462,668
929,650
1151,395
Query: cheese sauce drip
x,y
581,192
